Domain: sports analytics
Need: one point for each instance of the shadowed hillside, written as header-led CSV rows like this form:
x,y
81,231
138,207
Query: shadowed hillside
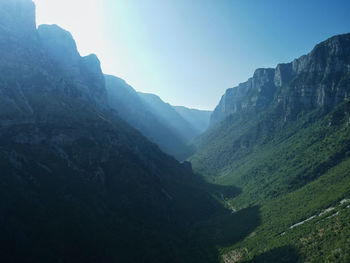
x,y
78,184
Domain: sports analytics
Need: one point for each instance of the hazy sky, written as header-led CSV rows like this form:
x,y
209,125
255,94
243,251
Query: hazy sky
x,y
190,51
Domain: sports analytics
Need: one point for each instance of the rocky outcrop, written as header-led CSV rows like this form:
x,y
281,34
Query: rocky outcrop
x,y
43,62
256,93
319,79
84,71
61,47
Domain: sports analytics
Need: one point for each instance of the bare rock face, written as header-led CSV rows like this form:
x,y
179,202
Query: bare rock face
x,y
90,68
61,47
256,93
318,79
84,71
17,37
283,74
17,17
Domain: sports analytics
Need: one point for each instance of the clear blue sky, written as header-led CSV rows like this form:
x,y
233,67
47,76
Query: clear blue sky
x,y
190,51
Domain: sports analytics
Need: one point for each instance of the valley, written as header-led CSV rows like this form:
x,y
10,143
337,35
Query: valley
x,y
92,170
292,167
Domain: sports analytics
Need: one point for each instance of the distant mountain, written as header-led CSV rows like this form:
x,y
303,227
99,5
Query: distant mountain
x,y
199,119
166,113
156,120
283,138
77,183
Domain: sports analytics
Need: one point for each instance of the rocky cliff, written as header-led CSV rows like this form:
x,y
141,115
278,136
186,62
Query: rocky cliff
x,y
17,19
77,183
60,47
317,79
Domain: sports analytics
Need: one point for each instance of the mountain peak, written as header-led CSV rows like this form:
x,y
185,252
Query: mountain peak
x,y
337,40
260,72
59,43
93,64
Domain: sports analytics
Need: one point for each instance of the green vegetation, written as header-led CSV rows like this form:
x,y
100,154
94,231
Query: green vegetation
x,y
291,171
78,184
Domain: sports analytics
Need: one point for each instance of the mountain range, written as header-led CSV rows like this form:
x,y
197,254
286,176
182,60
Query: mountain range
x,y
156,119
91,171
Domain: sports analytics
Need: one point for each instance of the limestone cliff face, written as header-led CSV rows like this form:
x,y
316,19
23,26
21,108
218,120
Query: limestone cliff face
x,y
17,18
86,72
46,62
320,78
61,47
256,93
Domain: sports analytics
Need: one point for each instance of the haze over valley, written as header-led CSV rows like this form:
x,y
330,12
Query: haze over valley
x,y
93,169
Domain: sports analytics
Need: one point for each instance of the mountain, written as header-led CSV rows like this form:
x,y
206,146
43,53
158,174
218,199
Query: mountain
x,y
77,183
164,111
283,138
314,80
131,108
199,119
155,119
